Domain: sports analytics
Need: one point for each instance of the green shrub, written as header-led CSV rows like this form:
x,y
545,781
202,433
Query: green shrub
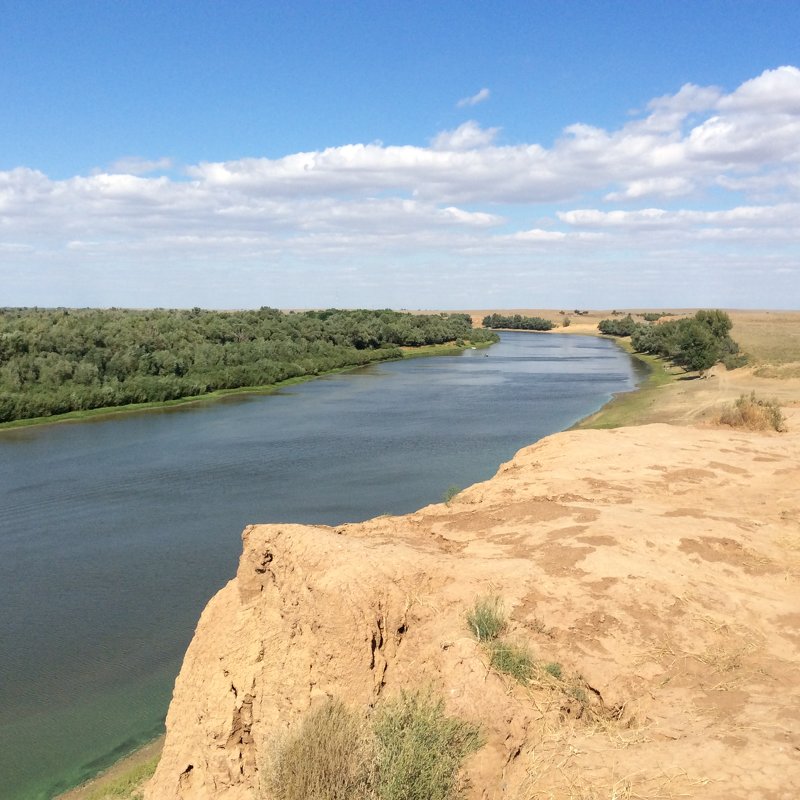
x,y
514,660
449,493
578,692
486,619
553,669
328,758
420,750
618,327
735,360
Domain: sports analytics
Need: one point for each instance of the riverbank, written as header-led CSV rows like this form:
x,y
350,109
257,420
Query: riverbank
x,y
770,339
123,779
424,351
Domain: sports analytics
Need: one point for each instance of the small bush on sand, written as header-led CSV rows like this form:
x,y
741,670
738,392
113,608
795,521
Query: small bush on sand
x,y
449,493
486,619
754,413
735,360
554,669
512,659
420,750
328,758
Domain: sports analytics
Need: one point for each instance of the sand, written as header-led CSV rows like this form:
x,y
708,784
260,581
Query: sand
x,y
658,566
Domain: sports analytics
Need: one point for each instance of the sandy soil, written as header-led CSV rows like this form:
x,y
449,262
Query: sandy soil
x,y
658,565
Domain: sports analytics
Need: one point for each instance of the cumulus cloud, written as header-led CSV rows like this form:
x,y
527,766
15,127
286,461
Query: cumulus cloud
x,y
473,100
774,91
732,159
468,136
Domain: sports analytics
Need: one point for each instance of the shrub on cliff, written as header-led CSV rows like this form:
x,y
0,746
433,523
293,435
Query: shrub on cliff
x,y
410,750
328,758
420,749
512,659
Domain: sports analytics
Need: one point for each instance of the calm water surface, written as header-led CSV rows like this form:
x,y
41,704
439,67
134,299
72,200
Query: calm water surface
x,y
115,533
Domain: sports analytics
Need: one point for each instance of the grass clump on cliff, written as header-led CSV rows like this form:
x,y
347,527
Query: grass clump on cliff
x,y
754,413
486,619
420,749
328,758
409,750
512,659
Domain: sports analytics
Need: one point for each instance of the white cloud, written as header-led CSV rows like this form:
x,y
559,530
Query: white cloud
x,y
662,187
473,100
774,91
539,235
732,160
468,136
759,223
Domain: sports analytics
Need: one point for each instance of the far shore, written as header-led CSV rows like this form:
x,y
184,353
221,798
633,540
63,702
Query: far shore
x,y
772,338
447,349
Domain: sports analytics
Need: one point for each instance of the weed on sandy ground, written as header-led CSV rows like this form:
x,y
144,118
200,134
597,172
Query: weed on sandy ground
x,y
754,414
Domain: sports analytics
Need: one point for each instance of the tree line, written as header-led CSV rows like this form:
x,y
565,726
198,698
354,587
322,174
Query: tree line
x,y
57,360
696,343
518,322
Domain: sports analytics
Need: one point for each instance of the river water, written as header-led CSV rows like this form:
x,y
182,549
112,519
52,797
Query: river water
x,y
115,533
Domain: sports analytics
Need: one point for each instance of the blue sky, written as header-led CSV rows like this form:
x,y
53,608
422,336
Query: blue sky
x,y
451,155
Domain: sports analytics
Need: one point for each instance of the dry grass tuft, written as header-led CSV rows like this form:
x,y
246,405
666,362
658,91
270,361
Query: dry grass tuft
x,y
556,770
754,414
409,750
328,758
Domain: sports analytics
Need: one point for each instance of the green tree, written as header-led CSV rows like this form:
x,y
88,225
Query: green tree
x,y
699,348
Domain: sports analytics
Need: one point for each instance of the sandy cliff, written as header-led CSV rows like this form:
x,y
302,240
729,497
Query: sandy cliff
x,y
660,566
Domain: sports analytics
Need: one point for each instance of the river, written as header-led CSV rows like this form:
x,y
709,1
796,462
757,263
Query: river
x,y
114,533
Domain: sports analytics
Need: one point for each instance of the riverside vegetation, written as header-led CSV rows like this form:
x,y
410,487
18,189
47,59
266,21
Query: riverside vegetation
x,y
55,361
696,343
518,322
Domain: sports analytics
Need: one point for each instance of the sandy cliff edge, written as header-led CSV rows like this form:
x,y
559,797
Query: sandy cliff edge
x,y
660,566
